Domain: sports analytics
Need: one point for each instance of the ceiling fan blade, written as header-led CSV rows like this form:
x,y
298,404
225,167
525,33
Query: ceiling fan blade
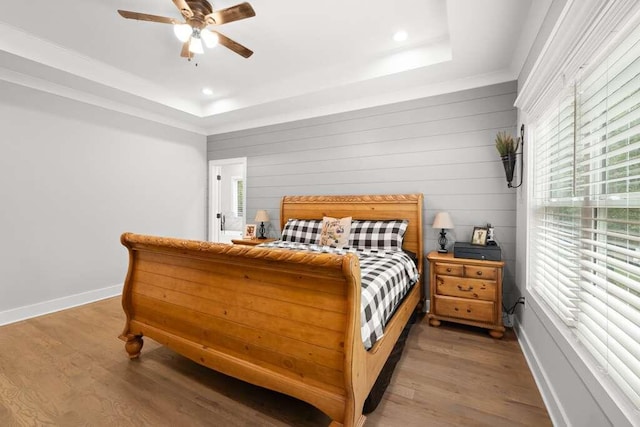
x,y
184,8
150,18
230,14
185,50
234,46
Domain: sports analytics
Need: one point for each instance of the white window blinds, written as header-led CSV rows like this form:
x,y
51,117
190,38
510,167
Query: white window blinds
x,y
557,219
585,240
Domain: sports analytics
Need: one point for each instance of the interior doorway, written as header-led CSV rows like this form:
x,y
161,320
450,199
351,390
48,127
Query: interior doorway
x,y
227,199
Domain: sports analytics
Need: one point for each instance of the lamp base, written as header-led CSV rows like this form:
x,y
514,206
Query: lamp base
x,y
262,229
443,242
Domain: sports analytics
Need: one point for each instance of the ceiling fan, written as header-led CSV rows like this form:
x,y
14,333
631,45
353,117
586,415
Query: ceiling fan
x,y
198,15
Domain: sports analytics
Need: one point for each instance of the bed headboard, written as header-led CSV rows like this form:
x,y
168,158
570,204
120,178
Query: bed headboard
x,y
392,206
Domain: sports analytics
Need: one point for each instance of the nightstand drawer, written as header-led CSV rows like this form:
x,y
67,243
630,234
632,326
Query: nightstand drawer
x,y
449,269
480,272
466,288
480,311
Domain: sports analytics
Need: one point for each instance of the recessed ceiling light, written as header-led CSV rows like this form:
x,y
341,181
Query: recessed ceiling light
x,y
207,91
400,36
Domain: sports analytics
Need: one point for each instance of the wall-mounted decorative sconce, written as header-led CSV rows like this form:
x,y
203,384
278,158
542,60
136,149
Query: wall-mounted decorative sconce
x,y
508,149
443,222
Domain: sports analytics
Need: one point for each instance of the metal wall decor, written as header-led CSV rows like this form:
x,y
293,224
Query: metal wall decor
x,y
509,161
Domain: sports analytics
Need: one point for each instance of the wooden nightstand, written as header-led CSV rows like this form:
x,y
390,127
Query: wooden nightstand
x,y
251,242
466,291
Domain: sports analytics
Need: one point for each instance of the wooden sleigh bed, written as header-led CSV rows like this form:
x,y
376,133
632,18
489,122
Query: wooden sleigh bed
x,y
285,320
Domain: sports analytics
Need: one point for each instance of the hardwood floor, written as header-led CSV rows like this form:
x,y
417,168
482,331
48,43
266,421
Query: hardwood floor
x,y
69,369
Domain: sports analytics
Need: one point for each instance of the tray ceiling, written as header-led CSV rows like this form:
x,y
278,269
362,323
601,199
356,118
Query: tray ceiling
x,y
310,58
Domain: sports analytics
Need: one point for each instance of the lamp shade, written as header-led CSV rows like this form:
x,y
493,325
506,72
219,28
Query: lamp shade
x,y
262,216
210,39
195,45
183,32
442,220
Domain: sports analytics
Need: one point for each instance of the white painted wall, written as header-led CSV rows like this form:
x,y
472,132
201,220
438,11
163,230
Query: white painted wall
x,y
73,177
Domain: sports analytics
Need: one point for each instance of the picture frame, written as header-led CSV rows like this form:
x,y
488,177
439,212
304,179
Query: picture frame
x,y
249,232
479,236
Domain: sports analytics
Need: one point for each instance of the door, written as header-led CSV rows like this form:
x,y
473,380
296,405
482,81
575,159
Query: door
x,y
227,199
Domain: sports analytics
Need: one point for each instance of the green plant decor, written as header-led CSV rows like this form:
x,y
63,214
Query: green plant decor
x,y
506,144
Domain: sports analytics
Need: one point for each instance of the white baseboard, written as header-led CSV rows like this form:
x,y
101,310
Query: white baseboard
x,y
556,412
51,306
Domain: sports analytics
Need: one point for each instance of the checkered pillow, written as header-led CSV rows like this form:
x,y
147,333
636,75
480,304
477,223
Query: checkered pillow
x,y
384,235
302,230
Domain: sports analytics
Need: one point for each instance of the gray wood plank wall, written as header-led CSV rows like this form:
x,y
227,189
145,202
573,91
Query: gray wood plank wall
x,y
441,146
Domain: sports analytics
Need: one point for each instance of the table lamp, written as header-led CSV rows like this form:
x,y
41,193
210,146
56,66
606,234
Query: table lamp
x,y
443,222
262,216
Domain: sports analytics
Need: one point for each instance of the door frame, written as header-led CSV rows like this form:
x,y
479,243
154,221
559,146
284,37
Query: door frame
x,y
213,229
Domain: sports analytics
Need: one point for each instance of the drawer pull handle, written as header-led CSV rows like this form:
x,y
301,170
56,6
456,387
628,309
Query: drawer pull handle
x,y
455,308
469,289
479,273
468,310
448,270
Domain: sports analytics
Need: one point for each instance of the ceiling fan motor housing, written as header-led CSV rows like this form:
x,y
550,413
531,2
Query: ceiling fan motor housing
x,y
200,9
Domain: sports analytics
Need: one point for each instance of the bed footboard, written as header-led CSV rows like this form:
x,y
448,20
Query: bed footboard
x,y
284,320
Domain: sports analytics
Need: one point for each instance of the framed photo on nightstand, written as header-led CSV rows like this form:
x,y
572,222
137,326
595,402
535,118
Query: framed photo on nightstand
x,y
479,236
249,232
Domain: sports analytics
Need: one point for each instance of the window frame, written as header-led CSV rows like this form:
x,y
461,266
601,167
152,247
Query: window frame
x,y
590,212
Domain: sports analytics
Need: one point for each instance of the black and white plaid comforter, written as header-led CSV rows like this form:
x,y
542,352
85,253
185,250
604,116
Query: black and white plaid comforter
x,y
387,276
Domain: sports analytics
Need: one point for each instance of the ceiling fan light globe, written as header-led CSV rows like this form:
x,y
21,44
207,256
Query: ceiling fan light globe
x,y
210,39
182,32
195,46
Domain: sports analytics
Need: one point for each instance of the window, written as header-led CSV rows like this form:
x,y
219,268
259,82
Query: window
x,y
237,191
585,240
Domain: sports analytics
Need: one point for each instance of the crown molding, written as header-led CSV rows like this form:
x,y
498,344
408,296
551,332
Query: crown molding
x,y
50,58
98,101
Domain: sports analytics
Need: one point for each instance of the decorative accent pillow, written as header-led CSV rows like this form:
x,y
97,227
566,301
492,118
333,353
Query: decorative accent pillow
x,y
302,230
335,232
384,235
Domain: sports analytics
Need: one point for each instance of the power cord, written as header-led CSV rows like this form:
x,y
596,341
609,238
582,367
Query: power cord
x,y
512,309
